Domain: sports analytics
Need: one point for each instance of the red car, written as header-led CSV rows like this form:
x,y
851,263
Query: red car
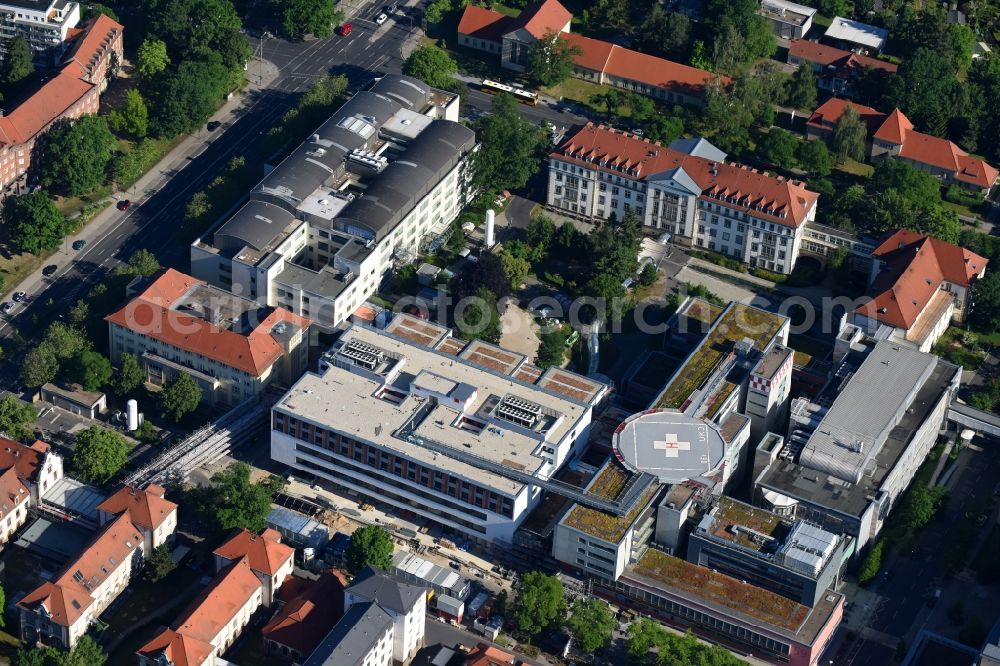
x,y
345,30
124,204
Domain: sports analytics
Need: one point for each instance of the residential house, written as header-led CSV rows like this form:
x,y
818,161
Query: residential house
x,y
597,61
897,139
686,189
918,286
60,611
824,119
856,36
211,623
250,570
233,347
307,610
489,655
836,69
26,474
788,20
46,26
269,559
149,510
73,92
383,623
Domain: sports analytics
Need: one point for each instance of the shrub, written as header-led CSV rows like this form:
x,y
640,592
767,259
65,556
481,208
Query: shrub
x,y
554,278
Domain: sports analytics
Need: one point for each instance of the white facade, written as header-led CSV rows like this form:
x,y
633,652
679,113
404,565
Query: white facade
x,y
671,201
44,27
406,636
13,515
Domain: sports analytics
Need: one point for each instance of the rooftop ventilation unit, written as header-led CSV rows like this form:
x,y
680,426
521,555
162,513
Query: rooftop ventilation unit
x,y
367,160
519,411
363,354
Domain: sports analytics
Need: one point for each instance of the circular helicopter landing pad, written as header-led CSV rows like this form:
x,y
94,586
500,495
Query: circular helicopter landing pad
x,y
669,445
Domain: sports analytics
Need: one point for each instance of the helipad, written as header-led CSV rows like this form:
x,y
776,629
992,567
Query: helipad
x,y
669,444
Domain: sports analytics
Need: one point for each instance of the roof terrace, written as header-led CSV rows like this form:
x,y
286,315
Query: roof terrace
x,y
752,528
737,322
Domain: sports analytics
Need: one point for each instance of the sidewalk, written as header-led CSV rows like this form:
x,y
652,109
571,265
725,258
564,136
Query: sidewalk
x,y
105,222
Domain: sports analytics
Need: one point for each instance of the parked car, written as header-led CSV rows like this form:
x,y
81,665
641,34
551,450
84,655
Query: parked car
x,y
391,8
20,297
8,307
213,125
380,19
50,270
124,204
79,245
345,29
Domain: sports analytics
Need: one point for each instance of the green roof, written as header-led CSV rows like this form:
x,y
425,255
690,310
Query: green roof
x,y
703,583
607,484
737,322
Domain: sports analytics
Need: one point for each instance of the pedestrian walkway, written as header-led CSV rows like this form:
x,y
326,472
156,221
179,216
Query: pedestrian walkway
x,y
107,221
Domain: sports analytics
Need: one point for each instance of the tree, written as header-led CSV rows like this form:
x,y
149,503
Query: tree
x,y
142,262
550,59
511,147
34,221
610,14
665,32
591,622
986,296
180,396
477,316
612,99
541,229
188,96
198,206
304,17
95,9
847,141
160,563
924,87
18,63
740,35
133,117
431,65
16,419
233,502
538,602
65,341
515,266
151,58
437,9
191,28
79,313
91,370
779,147
86,653
871,564
814,157
552,350
647,276
99,454
370,546
129,376
800,92
77,153
920,505
325,93
40,366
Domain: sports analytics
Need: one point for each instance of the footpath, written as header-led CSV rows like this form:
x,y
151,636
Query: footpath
x,y
171,165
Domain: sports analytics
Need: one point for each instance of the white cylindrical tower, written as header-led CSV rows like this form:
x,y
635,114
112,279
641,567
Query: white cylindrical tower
x,y
132,416
490,233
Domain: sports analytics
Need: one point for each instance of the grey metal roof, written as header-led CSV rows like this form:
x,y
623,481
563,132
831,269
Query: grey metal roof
x,y
352,638
74,497
405,90
256,224
385,589
698,147
869,406
394,192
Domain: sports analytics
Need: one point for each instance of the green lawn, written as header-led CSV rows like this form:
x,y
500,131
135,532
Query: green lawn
x,y
961,209
581,91
856,168
953,349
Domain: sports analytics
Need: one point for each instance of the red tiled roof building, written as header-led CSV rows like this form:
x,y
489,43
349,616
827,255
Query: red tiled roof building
x,y
686,189
232,346
598,61
919,286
